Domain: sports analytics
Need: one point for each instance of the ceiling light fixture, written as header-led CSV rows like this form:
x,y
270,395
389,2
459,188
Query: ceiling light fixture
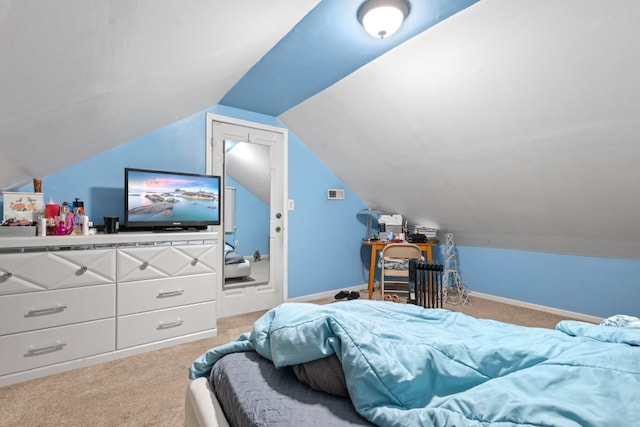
x,y
382,18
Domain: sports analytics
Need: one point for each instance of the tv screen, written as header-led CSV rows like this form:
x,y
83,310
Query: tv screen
x,y
170,200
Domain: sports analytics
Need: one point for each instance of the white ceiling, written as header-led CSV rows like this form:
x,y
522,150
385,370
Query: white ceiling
x,y
513,123
81,76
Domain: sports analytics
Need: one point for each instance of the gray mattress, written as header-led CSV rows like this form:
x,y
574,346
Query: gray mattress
x,y
252,392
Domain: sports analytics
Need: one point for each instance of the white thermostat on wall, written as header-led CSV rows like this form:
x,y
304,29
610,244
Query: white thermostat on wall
x,y
335,194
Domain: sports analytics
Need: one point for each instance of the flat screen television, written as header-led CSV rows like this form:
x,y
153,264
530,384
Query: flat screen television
x,y
168,201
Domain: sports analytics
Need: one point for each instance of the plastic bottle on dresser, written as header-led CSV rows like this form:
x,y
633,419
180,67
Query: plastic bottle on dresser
x,y
42,226
85,225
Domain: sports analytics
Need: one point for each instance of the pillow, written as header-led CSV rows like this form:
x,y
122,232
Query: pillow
x,y
324,374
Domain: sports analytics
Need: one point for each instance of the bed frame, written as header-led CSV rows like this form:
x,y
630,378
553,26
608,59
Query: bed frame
x,y
248,387
202,408
535,376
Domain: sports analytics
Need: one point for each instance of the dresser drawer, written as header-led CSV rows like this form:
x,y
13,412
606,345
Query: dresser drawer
x,y
38,310
155,262
28,350
136,329
136,297
46,270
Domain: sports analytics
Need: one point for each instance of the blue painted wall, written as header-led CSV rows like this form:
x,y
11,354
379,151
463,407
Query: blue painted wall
x,y
252,222
324,236
596,286
325,253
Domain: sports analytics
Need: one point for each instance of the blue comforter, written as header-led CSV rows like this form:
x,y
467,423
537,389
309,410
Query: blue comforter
x,y
408,366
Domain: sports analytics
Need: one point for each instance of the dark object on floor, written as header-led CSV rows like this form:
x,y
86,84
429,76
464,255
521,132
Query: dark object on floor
x,y
256,256
354,295
427,279
342,295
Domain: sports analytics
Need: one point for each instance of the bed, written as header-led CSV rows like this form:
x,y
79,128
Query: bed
x,y
235,265
404,365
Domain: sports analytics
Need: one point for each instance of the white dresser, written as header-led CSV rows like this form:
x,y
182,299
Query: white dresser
x,y
73,301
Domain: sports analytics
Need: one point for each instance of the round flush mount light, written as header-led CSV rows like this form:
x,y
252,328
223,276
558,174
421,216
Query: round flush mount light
x,y
382,18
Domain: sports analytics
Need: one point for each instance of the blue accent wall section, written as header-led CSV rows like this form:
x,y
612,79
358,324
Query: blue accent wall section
x,y
596,286
252,222
307,61
324,235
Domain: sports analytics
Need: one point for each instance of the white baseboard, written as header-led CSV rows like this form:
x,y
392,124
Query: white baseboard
x,y
559,312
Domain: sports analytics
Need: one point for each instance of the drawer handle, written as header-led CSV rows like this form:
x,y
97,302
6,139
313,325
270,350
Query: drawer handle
x,y
45,310
83,269
175,323
174,293
144,265
195,261
44,349
7,276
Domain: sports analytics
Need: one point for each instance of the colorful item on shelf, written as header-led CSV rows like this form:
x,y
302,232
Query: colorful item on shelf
x,y
22,206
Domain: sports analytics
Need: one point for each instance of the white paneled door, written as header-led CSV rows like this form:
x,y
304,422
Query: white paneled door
x,y
261,169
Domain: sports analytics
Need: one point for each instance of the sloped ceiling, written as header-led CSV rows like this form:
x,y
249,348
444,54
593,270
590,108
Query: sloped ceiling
x,y
81,76
250,165
511,123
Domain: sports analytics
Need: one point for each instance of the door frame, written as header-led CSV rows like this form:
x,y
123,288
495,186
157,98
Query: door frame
x,y
283,160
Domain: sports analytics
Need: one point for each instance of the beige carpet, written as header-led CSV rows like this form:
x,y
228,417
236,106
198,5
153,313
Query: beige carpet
x,y
149,389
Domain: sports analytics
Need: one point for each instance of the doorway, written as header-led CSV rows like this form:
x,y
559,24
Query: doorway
x,y
251,158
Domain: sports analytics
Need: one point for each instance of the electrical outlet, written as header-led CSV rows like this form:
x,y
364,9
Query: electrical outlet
x,y
291,205
237,243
